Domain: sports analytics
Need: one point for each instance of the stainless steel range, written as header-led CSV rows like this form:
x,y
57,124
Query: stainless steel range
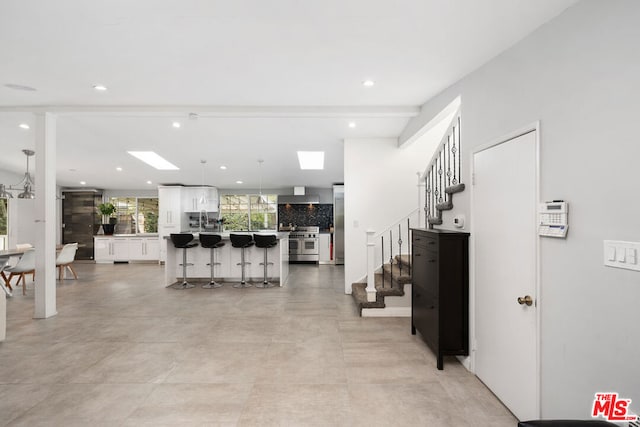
x,y
303,244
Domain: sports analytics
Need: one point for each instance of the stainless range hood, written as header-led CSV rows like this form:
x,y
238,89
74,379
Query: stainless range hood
x,y
299,198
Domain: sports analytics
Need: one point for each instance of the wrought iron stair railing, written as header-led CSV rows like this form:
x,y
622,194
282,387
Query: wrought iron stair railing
x,y
384,246
443,175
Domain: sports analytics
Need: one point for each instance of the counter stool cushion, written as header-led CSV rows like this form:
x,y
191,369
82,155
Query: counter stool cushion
x,y
265,241
241,240
211,241
183,240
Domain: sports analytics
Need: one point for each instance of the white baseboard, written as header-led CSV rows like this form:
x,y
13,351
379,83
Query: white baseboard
x,y
387,312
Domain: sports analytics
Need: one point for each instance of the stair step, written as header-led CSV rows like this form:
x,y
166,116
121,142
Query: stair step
x,y
405,260
401,277
454,189
446,206
359,294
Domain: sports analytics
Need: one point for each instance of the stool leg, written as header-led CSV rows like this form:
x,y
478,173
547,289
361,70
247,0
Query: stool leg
x,y
184,284
265,283
212,284
243,283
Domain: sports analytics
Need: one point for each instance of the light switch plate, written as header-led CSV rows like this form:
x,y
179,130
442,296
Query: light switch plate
x,y
621,254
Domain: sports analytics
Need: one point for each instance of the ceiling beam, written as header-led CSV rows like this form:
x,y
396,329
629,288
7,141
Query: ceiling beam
x,y
208,111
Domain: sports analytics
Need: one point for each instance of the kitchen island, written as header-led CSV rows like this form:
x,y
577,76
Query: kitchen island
x,y
228,257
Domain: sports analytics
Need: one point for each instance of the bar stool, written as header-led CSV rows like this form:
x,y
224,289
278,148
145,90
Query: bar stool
x,y
183,241
211,242
265,242
241,241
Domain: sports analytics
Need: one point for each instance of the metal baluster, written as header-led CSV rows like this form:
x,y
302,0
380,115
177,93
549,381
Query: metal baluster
x,y
427,208
453,150
449,161
409,238
440,174
400,246
460,153
391,257
382,247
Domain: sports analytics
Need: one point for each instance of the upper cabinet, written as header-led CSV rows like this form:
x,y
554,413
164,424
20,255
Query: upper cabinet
x,y
170,203
192,199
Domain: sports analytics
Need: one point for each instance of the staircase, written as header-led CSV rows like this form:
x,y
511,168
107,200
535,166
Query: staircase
x,y
386,289
393,291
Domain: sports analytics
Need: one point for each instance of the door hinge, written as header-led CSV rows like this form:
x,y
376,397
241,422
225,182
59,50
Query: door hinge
x,y
473,179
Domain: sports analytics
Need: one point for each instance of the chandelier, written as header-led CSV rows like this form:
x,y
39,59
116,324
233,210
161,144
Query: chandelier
x,y
26,184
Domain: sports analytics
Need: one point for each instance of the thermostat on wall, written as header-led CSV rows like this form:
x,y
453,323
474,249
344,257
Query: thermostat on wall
x,y
553,219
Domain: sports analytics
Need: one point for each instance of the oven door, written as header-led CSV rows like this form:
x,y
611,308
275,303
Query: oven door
x,y
309,246
294,246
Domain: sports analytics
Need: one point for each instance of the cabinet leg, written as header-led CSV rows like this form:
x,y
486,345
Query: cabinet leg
x,y
413,329
440,363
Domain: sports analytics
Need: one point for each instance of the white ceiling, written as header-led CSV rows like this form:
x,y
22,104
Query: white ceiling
x,y
267,78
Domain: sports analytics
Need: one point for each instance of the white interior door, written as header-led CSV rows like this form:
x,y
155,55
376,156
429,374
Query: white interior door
x,y
505,254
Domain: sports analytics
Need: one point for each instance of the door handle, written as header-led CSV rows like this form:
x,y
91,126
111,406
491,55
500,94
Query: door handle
x,y
525,300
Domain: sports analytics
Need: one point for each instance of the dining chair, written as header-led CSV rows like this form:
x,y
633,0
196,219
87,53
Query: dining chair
x,y
65,258
26,265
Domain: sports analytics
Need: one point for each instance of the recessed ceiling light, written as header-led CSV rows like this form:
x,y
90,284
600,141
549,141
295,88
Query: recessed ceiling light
x,y
176,125
238,182
153,159
368,83
352,125
311,159
223,167
83,183
119,169
20,87
100,88
72,170
23,126
149,182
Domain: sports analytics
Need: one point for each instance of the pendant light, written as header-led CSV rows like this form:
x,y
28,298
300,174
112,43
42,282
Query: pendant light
x,y
26,184
203,198
261,200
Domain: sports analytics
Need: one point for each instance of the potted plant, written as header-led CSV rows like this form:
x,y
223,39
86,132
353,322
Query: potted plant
x,y
108,223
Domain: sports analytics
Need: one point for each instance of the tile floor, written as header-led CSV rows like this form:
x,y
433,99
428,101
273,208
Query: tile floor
x,y
125,351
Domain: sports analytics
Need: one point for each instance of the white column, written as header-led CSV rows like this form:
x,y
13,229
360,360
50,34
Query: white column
x,y
45,222
371,268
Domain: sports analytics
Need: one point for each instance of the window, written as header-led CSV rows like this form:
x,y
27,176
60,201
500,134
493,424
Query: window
x,y
136,214
249,212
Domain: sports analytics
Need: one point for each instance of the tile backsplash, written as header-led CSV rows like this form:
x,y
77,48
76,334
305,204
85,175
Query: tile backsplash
x,y
320,215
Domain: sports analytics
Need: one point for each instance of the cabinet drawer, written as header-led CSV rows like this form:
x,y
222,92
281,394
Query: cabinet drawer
x,y
424,241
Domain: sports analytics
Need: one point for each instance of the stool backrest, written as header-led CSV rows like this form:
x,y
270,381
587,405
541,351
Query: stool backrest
x,y
240,240
265,240
209,240
181,239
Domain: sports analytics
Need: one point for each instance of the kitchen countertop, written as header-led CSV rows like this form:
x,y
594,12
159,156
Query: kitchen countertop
x,y
127,235
225,235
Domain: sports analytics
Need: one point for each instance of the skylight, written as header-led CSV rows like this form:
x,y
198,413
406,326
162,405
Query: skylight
x,y
153,159
311,159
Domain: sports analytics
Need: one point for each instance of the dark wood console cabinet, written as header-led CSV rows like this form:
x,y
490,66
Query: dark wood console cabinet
x,y
440,290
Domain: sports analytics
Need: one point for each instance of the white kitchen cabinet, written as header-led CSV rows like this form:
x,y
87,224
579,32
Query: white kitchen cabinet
x,y
192,197
170,206
120,248
171,218
102,249
125,249
152,249
324,242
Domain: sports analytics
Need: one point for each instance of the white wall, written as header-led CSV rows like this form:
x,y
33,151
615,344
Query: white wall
x,y
578,75
381,187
